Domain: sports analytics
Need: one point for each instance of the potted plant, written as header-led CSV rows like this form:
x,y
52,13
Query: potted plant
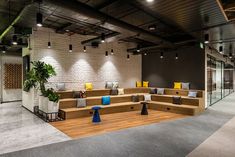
x,y
53,105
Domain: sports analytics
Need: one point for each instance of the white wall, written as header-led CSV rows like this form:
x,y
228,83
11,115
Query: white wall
x,y
9,94
78,67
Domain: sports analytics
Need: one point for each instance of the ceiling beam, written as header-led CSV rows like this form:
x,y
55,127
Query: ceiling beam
x,y
105,4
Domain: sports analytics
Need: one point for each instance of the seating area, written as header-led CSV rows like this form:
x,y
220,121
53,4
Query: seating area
x,y
124,103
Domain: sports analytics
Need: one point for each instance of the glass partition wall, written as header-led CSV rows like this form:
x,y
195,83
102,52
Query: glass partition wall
x,y
219,80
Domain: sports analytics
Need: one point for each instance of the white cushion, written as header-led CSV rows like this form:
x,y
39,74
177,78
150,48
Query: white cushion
x,y
147,97
120,91
60,86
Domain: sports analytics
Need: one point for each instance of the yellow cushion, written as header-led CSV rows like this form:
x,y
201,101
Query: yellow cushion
x,y
145,84
88,86
138,84
177,85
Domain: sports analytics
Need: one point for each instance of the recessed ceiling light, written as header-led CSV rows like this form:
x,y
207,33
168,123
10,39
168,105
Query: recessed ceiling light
x,y
149,0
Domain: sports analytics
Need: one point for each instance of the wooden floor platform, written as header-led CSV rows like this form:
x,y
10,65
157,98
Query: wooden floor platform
x,y
83,127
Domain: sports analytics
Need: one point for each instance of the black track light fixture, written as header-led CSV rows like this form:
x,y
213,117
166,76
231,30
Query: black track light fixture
x,y
39,19
128,57
161,56
14,40
49,44
152,27
145,53
4,49
70,48
206,40
138,48
106,53
230,55
84,48
221,49
176,56
112,52
102,37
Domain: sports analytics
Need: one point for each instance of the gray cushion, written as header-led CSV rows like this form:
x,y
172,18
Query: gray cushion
x,y
147,97
114,91
176,100
192,94
60,86
109,85
76,94
185,85
135,98
115,84
160,91
81,102
153,91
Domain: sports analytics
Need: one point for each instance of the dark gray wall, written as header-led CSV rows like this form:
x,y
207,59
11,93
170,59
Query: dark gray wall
x,y
190,67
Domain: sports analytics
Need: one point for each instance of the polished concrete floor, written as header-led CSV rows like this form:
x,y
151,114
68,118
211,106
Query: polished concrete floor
x,y
191,136
20,129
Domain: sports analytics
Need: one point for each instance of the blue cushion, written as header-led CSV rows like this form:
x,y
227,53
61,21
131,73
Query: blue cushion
x,y
192,94
105,100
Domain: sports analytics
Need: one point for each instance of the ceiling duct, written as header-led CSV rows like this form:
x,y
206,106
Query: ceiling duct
x,y
109,21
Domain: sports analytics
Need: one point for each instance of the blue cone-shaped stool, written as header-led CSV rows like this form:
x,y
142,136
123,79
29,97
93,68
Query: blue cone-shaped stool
x,y
96,114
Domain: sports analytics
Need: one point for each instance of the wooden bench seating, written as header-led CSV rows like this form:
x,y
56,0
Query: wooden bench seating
x,y
122,103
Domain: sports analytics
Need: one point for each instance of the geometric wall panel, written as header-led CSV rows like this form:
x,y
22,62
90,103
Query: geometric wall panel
x,y
13,76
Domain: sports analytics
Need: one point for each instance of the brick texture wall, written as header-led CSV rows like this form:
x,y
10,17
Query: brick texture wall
x,y
76,68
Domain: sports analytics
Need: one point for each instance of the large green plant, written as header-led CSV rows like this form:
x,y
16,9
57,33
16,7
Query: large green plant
x,y
38,76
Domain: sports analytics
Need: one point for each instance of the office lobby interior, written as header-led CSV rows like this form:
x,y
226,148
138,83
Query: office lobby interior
x,y
117,78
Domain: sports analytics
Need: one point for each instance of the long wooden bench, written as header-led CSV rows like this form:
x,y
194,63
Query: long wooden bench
x,y
122,103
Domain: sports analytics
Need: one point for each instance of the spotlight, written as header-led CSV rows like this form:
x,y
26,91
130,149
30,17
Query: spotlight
x,y
39,19
106,53
221,49
206,39
70,48
4,49
138,48
102,37
84,49
14,40
49,44
149,1
176,56
230,55
145,54
152,27
161,55
128,56
112,52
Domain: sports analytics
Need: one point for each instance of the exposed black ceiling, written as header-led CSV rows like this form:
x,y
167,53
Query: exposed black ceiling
x,y
175,21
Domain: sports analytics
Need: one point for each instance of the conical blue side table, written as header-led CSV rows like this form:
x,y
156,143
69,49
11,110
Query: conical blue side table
x,y
96,114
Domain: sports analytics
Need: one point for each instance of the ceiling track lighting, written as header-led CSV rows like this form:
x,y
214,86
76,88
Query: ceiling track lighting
x,y
4,49
49,44
84,49
161,55
106,53
112,52
14,40
206,40
49,41
152,27
145,54
221,49
230,55
138,48
102,37
176,56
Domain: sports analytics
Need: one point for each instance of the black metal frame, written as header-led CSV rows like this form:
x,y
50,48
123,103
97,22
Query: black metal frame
x,y
47,117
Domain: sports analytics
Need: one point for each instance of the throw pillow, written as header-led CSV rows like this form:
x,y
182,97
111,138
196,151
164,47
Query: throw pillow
x,y
153,91
60,86
185,85
135,98
88,86
120,91
145,84
114,91
81,102
105,100
76,94
177,85
147,97
192,94
138,84
115,84
176,100
109,85
160,91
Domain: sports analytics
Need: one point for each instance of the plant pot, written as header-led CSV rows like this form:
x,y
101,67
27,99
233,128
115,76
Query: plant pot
x,y
43,103
52,107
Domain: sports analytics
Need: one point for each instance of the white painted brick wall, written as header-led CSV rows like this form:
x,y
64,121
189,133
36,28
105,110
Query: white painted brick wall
x,y
78,67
